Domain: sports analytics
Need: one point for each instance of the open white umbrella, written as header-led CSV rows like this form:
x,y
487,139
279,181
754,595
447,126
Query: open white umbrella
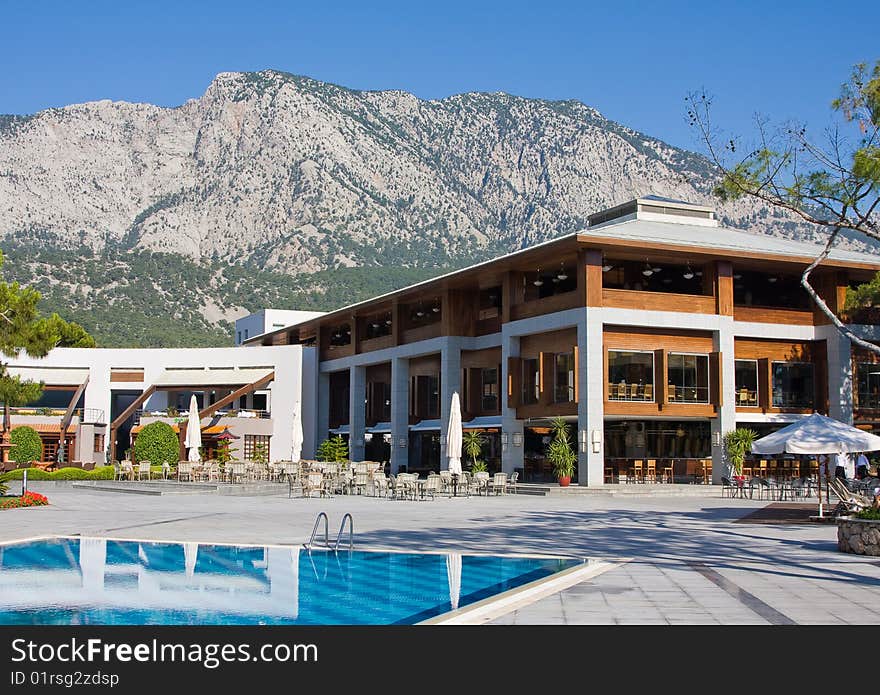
x,y
453,576
193,431
296,442
817,434
453,436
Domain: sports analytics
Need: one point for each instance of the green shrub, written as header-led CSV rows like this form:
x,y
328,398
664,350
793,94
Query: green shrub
x,y
101,473
334,450
869,514
26,445
157,443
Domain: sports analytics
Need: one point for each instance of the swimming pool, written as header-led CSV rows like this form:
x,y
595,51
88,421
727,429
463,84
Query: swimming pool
x,y
97,581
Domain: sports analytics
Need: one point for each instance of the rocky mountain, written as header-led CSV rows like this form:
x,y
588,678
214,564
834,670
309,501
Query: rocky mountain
x,y
289,176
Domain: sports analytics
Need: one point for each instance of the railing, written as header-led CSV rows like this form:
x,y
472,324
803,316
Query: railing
x,y
631,392
182,415
84,414
789,399
687,394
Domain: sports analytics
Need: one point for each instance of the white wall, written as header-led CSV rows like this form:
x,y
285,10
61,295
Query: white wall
x,y
268,320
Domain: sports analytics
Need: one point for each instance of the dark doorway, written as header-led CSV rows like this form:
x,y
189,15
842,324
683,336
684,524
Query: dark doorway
x,y
119,401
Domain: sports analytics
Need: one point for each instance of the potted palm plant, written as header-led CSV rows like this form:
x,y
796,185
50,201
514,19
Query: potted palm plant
x,y
738,443
560,454
472,443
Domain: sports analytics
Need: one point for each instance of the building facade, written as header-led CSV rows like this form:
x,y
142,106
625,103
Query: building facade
x,y
653,332
268,320
101,398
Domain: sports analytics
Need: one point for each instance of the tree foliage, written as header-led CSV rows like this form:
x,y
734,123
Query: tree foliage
x,y
157,443
738,443
835,184
472,442
559,452
334,449
26,445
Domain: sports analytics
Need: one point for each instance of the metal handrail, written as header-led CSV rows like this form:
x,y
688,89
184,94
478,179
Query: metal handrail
x,y
311,541
350,532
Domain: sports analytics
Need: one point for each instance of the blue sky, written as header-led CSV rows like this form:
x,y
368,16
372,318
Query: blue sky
x,y
633,61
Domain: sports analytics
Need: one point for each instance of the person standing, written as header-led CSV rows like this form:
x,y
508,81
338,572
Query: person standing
x,y
840,461
862,465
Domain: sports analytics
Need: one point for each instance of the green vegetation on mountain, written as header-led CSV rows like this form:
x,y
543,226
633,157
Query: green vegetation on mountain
x,y
144,299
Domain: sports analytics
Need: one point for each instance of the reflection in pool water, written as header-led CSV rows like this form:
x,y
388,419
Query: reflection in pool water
x,y
104,582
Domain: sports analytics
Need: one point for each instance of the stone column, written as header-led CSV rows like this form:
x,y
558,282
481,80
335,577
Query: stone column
x,y
511,455
450,382
357,391
399,412
322,416
725,419
840,375
591,410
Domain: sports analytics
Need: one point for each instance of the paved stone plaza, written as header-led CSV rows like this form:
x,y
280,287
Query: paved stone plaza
x,y
686,561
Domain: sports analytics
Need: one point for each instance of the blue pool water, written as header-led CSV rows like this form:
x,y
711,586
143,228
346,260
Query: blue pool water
x,y
92,581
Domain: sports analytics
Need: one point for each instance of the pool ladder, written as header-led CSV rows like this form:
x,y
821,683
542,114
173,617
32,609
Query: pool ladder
x,y
325,543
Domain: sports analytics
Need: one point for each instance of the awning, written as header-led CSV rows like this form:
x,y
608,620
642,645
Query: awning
x,y
380,428
196,377
51,376
483,423
342,429
425,426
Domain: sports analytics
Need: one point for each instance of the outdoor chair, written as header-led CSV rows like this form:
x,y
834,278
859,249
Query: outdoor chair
x,y
762,488
211,471
143,470
499,483
126,471
728,487
850,502
446,482
361,480
481,481
431,486
511,484
380,484
314,482
184,471
236,471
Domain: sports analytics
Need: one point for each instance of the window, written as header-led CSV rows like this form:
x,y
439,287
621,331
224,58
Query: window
x,y
239,336
245,333
256,446
746,378
261,401
793,385
688,378
630,376
868,393
531,381
564,378
99,443
427,389
652,276
769,289
490,390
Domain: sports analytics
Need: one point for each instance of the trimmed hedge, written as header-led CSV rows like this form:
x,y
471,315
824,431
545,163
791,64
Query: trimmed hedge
x,y
26,445
102,473
157,443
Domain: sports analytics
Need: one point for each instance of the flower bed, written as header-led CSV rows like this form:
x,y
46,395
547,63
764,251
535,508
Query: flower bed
x,y
28,499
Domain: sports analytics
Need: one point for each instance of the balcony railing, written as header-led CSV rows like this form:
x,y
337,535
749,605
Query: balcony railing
x,y
687,394
624,391
792,399
84,414
181,416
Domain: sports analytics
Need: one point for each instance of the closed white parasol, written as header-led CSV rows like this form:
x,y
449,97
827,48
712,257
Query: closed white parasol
x,y
193,431
453,436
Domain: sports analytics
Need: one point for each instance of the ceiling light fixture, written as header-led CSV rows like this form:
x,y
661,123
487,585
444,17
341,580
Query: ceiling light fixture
x,y
606,267
688,274
737,276
538,281
771,279
562,274
648,271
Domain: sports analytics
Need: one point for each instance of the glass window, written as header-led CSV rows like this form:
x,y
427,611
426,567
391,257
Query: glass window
x,y
793,385
490,390
746,378
630,376
868,393
688,378
564,381
660,439
530,381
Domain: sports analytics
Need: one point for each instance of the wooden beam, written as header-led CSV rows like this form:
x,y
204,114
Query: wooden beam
x,y
68,415
137,403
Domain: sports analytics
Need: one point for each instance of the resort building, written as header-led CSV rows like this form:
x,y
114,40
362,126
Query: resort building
x,y
268,320
101,398
653,331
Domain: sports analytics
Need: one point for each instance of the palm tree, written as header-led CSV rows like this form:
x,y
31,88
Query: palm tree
x,y
738,443
472,442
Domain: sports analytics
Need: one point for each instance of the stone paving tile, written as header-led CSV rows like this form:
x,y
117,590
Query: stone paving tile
x,y
796,570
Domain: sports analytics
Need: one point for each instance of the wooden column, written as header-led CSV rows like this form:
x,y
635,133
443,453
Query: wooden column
x,y
661,393
765,384
724,288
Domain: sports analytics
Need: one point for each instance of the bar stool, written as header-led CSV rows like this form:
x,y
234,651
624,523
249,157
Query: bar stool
x,y
651,472
609,474
666,472
762,468
707,471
